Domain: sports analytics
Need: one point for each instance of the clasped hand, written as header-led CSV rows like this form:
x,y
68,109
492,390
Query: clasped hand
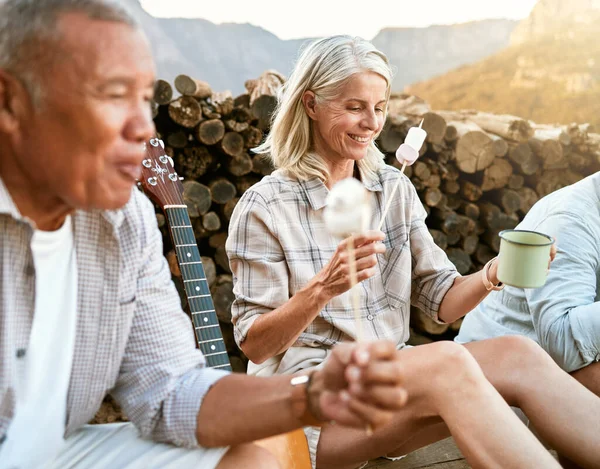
x,y
360,384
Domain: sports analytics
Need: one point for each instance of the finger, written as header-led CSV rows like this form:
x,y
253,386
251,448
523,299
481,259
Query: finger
x,y
377,372
382,349
369,414
370,236
367,250
386,397
366,262
334,406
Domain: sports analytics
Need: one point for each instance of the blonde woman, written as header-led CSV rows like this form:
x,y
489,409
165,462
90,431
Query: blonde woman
x,y
292,280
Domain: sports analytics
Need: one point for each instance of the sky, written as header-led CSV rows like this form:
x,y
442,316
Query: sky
x,y
316,18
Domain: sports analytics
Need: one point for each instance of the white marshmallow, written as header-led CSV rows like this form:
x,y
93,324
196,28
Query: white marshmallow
x,y
348,209
408,152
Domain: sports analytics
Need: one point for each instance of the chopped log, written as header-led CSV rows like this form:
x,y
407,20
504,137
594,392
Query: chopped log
x,y
474,151
460,259
470,243
222,190
160,220
451,187
222,294
466,225
244,183
433,196
525,160
232,144
505,126
189,86
263,108
185,111
223,102
210,131
391,138
197,197
453,238
507,199
451,133
252,137
515,181
470,210
548,132
421,170
236,126
262,164
423,323
471,192
243,100
500,146
267,84
483,254
194,162
217,240
439,238
228,207
406,104
209,269
163,92
221,259
528,198
550,152
178,139
211,221
453,201
239,165
209,111
497,175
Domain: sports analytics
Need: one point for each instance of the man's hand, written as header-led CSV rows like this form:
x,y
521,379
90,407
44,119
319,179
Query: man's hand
x,y
360,384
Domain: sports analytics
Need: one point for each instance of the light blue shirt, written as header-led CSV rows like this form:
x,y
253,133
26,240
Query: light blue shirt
x,y
563,316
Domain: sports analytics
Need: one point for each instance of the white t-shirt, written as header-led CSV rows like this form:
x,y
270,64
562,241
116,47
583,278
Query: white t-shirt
x,y
36,432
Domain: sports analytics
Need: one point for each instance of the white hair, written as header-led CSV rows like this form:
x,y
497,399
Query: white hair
x,y
29,36
323,68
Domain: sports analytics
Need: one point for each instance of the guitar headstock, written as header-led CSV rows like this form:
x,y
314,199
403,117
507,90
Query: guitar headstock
x,y
159,179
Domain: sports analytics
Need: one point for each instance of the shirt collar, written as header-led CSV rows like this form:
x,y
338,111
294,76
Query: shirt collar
x,y
316,190
8,207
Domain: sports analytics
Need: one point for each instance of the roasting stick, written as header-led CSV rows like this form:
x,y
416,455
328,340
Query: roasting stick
x,y
406,154
348,212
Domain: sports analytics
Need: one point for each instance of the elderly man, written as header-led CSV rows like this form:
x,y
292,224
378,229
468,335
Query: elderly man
x,y
87,306
563,316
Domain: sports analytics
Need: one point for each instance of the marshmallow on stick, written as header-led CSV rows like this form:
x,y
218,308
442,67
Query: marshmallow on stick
x,y
348,212
406,154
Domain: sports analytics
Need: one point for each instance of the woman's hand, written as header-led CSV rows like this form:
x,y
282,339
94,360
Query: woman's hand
x,y
334,278
359,385
494,267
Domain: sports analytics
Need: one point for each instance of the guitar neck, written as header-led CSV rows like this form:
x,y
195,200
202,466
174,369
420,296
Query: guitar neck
x,y
205,320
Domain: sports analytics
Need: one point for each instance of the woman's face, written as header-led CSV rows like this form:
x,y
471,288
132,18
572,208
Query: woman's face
x,y
344,128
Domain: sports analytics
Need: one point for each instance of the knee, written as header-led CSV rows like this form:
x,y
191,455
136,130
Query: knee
x,y
522,353
452,363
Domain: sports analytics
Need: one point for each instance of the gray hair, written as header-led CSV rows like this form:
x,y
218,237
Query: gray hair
x,y
28,32
323,67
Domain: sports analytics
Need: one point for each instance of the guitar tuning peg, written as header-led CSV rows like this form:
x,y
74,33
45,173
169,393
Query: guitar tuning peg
x,y
181,178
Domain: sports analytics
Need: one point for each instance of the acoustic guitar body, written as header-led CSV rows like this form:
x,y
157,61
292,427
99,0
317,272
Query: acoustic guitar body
x,y
290,449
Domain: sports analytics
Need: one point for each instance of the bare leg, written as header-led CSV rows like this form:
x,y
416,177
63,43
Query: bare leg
x,y
445,385
589,377
563,412
248,456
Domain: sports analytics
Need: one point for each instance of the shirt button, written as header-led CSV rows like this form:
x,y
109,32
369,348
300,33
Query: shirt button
x,y
370,317
21,352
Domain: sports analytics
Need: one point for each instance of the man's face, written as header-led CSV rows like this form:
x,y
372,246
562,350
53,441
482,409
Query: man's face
x,y
83,144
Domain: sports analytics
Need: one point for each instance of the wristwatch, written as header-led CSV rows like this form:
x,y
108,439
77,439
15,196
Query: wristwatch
x,y
300,400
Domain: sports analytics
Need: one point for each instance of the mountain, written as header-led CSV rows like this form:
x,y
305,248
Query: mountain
x,y
226,55
550,73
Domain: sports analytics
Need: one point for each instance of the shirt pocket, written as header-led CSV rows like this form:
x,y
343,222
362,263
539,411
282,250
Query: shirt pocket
x,y
395,269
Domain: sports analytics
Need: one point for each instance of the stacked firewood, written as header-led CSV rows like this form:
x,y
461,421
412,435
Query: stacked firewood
x,y
478,173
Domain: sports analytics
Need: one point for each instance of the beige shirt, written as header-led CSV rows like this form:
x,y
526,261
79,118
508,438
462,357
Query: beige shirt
x,y
278,242
132,338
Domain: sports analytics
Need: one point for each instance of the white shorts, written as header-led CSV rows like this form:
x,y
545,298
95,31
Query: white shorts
x,y
119,446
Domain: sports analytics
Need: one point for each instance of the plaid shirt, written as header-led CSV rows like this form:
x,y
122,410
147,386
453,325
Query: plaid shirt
x,y
132,338
278,242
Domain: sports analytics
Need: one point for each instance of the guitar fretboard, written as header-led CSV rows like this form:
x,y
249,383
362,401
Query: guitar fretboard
x,y
206,324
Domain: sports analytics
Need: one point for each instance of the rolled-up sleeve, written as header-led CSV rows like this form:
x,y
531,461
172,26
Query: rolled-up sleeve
x,y
432,272
565,313
163,378
260,271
